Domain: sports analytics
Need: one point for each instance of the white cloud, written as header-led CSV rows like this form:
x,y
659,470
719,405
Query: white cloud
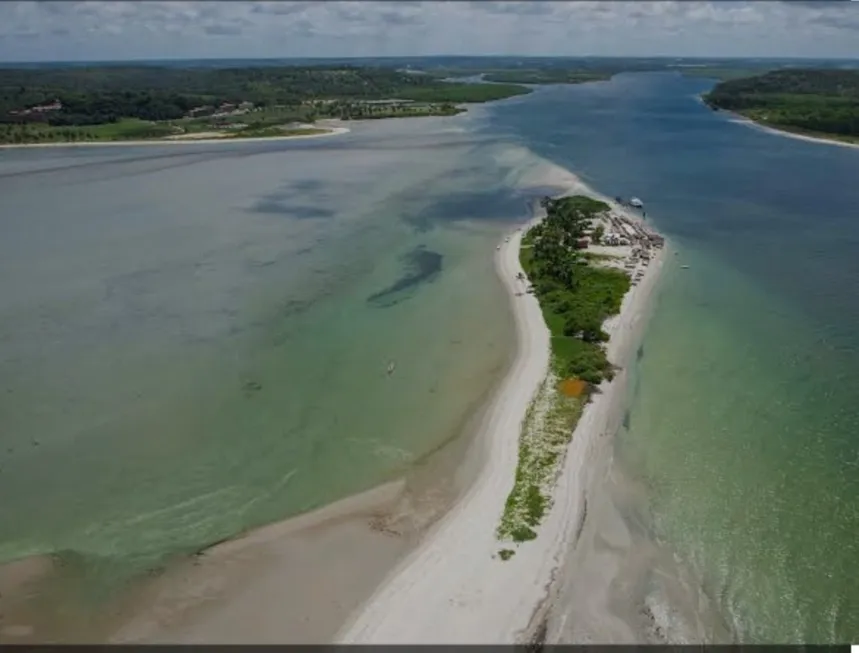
x,y
98,30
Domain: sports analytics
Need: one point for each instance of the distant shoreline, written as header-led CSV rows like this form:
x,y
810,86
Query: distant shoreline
x,y
809,137
328,131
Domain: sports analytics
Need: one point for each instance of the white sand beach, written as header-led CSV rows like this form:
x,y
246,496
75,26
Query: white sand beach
x,y
206,138
454,589
799,137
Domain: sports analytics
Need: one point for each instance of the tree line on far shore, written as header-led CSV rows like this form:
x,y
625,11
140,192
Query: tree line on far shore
x,y
575,297
108,94
822,101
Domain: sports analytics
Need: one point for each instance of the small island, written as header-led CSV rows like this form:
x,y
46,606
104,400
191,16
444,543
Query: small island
x,y
821,103
160,103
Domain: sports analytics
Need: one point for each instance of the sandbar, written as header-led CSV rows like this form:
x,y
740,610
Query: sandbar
x,y
454,588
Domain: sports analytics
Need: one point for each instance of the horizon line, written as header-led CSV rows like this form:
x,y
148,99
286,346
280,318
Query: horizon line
x,y
439,56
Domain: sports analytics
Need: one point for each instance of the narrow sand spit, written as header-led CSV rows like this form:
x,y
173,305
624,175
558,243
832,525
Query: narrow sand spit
x,y
211,138
453,589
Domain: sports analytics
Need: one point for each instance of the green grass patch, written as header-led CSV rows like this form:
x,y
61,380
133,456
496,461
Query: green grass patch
x,y
506,554
546,432
277,132
122,130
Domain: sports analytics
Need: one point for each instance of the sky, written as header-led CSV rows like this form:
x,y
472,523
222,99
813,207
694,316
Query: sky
x,y
66,30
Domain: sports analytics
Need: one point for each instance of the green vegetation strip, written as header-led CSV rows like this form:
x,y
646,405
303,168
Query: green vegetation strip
x,y
115,103
576,298
546,432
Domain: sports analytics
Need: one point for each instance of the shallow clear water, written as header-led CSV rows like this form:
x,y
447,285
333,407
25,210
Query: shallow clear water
x,y
744,423
194,339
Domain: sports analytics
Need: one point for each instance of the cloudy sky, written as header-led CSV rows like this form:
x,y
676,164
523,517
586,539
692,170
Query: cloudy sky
x,y
149,29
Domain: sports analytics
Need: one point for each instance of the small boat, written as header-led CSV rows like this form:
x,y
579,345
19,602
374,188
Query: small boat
x,y
499,247
391,367
637,203
685,267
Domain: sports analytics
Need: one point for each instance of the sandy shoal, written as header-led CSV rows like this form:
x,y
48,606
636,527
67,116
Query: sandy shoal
x,y
453,589
296,581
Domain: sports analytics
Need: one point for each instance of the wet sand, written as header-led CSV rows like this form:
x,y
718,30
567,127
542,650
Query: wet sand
x,y
316,568
305,565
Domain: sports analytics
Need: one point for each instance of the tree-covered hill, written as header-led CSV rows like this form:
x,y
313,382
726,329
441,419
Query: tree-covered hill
x,y
822,101
96,95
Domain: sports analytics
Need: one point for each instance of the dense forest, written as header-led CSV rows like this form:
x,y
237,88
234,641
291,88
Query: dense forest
x,y
576,297
824,101
63,97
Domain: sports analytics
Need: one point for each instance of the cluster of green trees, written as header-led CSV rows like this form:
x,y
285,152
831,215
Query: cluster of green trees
x,y
576,298
350,110
822,101
98,95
